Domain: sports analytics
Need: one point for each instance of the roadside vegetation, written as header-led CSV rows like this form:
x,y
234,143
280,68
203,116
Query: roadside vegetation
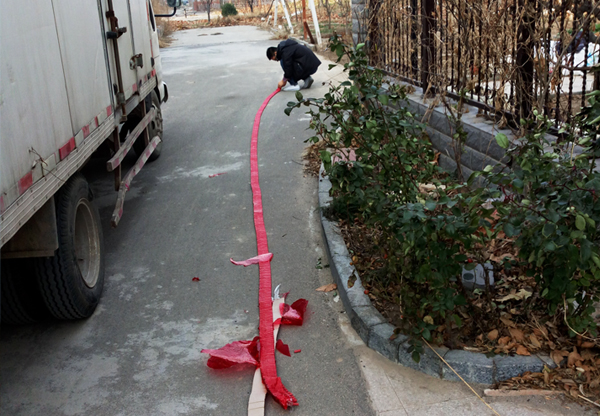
x,y
413,229
335,16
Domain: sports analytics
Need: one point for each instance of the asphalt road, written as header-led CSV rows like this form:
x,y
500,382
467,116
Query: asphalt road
x,y
139,354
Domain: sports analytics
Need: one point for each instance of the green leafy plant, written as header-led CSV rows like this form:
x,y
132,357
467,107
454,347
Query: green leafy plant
x,y
228,9
549,203
429,227
424,235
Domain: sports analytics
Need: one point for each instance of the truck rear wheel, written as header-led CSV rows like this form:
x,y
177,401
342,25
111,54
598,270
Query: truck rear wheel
x,y
71,281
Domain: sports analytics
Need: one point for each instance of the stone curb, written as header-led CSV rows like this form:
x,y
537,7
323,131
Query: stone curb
x,y
375,331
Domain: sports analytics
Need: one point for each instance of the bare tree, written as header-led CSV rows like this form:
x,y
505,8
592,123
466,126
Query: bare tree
x,y
329,9
207,4
250,4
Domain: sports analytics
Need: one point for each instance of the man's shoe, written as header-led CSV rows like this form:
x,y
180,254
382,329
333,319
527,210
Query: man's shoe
x,y
307,83
290,87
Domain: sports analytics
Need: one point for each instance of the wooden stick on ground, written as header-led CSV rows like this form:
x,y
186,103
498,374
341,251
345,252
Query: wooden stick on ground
x,y
462,379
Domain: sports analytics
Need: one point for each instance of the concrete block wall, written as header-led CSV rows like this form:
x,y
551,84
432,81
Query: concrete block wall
x,y
480,148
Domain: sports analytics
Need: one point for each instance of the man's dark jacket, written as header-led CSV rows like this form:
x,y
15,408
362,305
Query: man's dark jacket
x,y
298,61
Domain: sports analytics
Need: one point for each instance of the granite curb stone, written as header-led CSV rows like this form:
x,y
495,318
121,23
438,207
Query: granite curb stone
x,y
375,331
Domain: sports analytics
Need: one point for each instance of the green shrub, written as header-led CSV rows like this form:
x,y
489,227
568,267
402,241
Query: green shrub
x,y
228,9
548,205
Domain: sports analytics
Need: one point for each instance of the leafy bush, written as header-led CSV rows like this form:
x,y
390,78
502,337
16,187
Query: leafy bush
x,y
228,9
549,203
547,206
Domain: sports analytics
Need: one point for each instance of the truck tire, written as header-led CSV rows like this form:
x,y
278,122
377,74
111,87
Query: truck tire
x,y
21,300
155,128
71,281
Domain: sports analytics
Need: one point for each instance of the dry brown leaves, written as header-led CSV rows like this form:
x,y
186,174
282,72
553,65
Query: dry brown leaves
x,y
214,22
327,288
577,374
313,159
517,331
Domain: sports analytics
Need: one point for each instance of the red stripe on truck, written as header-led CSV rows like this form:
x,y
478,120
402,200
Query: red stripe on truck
x,y
68,148
108,111
2,204
86,131
25,182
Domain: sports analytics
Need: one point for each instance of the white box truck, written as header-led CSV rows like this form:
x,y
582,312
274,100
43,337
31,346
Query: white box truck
x,y
77,78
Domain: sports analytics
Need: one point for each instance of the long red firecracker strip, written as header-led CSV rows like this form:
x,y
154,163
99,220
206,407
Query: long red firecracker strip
x,y
265,331
261,353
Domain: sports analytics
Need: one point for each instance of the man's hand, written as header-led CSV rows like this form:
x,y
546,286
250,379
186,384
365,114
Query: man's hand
x,y
282,83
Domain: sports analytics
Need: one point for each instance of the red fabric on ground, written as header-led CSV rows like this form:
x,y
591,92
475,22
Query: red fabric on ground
x,y
294,314
253,260
283,348
263,351
238,352
268,367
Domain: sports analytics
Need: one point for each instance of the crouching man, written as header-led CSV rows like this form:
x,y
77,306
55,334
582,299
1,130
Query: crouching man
x,y
298,63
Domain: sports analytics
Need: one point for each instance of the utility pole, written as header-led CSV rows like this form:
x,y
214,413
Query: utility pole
x,y
304,24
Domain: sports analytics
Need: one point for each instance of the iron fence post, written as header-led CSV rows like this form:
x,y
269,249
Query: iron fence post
x,y
414,54
524,60
374,38
427,44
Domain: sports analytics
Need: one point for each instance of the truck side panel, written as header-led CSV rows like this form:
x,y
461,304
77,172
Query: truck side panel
x,y
82,48
34,108
126,51
141,29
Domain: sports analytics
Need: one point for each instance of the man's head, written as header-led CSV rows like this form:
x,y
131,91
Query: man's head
x,y
272,53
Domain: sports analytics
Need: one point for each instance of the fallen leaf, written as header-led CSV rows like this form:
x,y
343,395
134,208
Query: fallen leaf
x,y
588,344
327,288
508,322
428,320
535,341
492,335
521,350
558,355
587,355
517,334
541,332
499,258
573,357
520,295
504,340
568,382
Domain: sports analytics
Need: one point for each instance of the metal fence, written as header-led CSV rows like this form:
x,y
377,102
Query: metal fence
x,y
507,57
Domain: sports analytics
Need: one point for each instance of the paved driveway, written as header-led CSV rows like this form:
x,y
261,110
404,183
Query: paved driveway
x,y
139,354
